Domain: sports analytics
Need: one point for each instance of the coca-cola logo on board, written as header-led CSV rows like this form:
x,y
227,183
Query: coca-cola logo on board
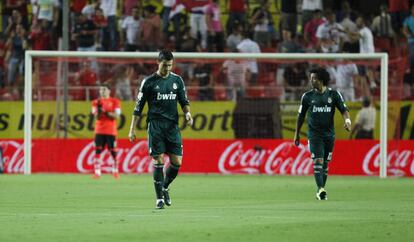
x,y
285,158
130,160
13,156
399,162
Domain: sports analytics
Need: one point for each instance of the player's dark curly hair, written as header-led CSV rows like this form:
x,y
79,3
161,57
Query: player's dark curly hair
x,y
165,55
322,75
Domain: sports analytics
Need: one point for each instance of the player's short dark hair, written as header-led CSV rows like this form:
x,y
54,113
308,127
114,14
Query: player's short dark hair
x,y
322,75
366,101
247,34
165,55
150,8
105,85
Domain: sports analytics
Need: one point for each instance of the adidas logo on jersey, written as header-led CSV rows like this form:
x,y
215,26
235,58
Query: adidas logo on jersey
x,y
324,109
169,96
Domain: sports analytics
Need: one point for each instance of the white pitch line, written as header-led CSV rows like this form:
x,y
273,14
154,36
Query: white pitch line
x,y
109,215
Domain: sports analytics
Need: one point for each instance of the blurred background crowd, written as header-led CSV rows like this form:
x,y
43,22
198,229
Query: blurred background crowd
x,y
247,26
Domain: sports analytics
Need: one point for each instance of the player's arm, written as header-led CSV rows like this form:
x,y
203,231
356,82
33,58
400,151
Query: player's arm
x,y
97,109
351,34
185,104
117,111
303,108
188,117
139,106
115,114
340,104
347,119
131,134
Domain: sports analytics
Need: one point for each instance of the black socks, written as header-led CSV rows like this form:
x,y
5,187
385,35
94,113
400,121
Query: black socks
x,y
158,179
318,173
170,174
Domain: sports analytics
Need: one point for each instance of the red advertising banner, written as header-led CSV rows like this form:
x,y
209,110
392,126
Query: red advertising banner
x,y
247,156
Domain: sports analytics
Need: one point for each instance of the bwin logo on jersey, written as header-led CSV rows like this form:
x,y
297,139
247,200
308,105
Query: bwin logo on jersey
x,y
324,109
168,96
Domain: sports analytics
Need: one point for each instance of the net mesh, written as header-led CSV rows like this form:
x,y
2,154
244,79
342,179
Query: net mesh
x,y
260,78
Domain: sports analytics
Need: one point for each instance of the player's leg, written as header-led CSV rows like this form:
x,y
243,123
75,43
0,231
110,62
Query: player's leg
x,y
172,170
328,146
156,146
158,176
175,153
170,175
318,173
99,144
317,154
325,168
112,147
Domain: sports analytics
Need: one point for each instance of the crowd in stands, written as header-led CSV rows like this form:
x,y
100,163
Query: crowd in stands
x,y
246,26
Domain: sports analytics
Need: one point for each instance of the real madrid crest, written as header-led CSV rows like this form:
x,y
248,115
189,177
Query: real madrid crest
x,y
329,100
174,86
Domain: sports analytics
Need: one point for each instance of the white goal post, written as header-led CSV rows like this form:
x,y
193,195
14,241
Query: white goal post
x,y
383,57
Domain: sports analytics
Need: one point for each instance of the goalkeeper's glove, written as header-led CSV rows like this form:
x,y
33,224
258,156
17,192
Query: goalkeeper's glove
x,y
101,112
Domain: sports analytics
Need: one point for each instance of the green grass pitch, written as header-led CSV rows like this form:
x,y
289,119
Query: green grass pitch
x,y
54,208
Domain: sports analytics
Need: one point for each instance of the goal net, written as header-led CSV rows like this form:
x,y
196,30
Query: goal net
x,y
59,87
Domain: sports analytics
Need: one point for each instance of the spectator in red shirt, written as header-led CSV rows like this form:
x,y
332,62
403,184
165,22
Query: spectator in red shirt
x,y
101,22
88,78
76,6
150,30
129,5
99,19
40,36
311,27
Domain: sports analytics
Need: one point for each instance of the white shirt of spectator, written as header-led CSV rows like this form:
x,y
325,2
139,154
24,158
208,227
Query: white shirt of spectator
x,y
366,41
263,27
332,32
45,8
131,26
176,9
311,5
366,118
249,46
344,76
108,7
233,41
349,25
168,3
236,72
